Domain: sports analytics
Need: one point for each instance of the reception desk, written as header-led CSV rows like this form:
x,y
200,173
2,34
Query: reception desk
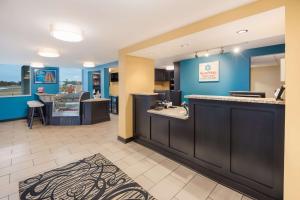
x,y
236,141
94,111
74,109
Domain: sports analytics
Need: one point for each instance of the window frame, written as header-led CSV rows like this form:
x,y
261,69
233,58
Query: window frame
x,y
23,95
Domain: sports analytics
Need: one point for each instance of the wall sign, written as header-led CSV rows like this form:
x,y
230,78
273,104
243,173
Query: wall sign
x,y
209,72
45,76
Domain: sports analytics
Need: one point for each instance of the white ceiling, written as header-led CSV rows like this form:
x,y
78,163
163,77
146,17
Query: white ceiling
x,y
108,25
267,60
264,29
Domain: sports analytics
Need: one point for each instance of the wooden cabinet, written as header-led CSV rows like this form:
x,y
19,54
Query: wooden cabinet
x,y
160,130
211,136
182,136
141,122
162,75
94,111
256,143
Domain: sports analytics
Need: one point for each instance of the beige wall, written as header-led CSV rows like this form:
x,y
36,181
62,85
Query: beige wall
x,y
292,114
265,79
136,75
114,86
162,85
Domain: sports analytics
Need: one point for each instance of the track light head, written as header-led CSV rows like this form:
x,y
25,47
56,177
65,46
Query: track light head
x,y
222,50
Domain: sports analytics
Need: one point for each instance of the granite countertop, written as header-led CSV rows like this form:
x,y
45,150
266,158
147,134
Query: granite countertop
x,y
178,112
44,94
96,100
145,94
237,99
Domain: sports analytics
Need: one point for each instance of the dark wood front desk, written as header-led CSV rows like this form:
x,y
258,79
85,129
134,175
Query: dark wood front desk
x,y
238,142
91,111
94,111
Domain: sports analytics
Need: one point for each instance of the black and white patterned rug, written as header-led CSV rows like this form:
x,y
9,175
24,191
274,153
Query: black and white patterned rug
x,y
91,178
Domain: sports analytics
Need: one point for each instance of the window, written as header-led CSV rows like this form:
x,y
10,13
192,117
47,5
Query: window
x,y
70,77
14,80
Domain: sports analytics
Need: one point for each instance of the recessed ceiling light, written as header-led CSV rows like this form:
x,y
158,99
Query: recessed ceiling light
x,y
47,52
170,67
37,65
66,32
89,64
242,31
236,50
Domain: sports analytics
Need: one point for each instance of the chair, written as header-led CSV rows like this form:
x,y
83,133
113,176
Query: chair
x,y
35,106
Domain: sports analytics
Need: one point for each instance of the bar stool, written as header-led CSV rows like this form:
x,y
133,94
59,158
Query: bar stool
x,y
35,106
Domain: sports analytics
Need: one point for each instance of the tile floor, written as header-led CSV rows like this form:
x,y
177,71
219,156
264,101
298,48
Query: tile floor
x,y
25,153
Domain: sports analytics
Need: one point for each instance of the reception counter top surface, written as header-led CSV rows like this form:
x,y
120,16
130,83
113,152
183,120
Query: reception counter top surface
x,y
145,94
96,100
237,99
178,112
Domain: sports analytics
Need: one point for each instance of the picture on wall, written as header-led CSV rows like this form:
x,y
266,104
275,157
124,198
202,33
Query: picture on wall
x,y
209,72
45,76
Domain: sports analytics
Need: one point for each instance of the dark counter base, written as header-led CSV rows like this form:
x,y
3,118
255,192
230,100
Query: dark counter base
x,y
238,144
188,162
90,113
94,112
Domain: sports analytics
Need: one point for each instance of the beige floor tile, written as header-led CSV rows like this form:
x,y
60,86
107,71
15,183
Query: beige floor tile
x,y
4,198
156,158
5,163
167,188
184,174
9,189
223,193
161,170
16,167
246,198
145,182
138,169
4,180
198,188
121,164
14,196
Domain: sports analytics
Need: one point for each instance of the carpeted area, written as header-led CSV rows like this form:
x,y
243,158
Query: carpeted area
x,y
94,177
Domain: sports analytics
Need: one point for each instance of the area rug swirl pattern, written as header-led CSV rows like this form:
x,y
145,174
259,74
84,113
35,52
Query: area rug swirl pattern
x,y
91,178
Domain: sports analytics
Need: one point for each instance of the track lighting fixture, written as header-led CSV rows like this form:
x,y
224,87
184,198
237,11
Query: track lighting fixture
x,y
222,50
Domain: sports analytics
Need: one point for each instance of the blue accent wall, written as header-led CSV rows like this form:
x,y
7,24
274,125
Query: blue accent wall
x,y
103,69
16,107
234,72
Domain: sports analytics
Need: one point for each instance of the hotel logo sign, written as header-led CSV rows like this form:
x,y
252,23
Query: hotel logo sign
x,y
209,72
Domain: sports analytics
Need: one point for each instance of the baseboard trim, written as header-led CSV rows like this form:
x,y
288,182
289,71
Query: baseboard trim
x,y
9,120
125,141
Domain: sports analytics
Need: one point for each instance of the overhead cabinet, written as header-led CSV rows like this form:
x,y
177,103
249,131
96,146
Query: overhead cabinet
x,y
162,75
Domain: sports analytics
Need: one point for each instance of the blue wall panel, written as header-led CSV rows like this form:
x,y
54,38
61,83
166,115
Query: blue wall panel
x,y
234,72
16,107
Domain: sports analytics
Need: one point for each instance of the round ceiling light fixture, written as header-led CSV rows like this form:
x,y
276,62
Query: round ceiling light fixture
x,y
242,31
89,64
66,32
37,65
49,53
